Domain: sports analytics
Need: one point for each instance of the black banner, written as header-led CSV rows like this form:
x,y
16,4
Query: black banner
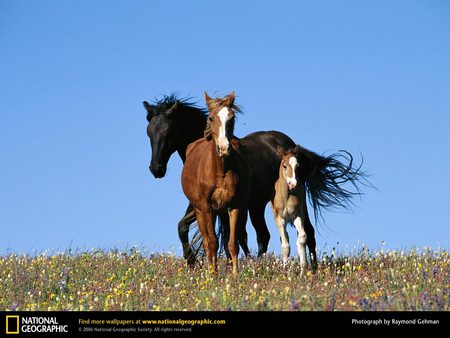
x,y
212,324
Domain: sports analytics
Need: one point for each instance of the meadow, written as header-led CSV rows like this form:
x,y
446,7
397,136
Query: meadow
x,y
132,280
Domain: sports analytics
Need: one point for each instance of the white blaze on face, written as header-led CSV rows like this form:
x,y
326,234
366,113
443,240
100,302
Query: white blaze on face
x,y
292,181
224,115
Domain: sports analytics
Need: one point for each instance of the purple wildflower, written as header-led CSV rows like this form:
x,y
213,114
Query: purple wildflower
x,y
294,305
331,306
425,301
435,271
365,304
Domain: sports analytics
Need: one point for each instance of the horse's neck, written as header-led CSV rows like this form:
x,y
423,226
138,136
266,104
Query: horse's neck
x,y
182,153
221,165
283,192
190,133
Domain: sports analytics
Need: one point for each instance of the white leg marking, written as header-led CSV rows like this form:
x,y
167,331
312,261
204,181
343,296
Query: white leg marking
x,y
301,241
285,247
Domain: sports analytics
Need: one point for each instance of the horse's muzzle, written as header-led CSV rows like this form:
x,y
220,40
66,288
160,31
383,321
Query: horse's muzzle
x,y
223,151
158,171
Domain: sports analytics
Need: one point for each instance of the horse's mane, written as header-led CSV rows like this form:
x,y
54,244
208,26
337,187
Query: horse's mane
x,y
222,101
162,105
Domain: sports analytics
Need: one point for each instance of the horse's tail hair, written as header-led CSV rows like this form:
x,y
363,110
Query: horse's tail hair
x,y
220,234
197,239
325,176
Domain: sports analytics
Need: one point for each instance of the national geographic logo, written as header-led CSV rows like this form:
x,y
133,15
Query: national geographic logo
x,y
12,324
16,324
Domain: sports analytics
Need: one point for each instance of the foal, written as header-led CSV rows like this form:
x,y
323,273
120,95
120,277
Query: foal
x,y
216,180
289,206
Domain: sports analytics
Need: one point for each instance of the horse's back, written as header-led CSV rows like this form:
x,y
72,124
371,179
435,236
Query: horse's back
x,y
270,138
262,157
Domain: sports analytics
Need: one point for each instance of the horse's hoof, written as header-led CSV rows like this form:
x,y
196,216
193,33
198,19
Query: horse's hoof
x,y
191,264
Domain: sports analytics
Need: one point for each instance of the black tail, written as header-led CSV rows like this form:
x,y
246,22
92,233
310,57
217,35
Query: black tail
x,y
197,239
325,176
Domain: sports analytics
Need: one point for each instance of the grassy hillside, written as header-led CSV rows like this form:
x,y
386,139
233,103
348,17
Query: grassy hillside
x,y
392,280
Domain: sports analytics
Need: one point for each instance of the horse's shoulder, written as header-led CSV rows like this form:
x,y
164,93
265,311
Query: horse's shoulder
x,y
194,145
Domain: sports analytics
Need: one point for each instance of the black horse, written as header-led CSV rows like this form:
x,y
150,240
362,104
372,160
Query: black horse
x,y
174,123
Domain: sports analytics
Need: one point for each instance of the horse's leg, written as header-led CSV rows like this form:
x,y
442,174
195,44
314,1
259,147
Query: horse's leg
x,y
242,233
284,236
225,220
208,220
236,221
310,241
205,219
259,223
301,243
310,233
183,234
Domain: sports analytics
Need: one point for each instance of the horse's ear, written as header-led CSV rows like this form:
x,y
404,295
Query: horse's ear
x,y
207,98
230,100
150,109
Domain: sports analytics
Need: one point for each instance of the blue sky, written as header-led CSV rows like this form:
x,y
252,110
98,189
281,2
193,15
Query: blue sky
x,y
366,76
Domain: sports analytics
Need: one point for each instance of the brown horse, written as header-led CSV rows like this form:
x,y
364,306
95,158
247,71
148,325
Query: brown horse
x,y
289,205
216,179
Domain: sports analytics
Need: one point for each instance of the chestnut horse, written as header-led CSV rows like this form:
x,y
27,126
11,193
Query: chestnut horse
x,y
216,179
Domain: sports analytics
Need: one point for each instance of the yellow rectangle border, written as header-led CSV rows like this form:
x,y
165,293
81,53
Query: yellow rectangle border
x,y
7,319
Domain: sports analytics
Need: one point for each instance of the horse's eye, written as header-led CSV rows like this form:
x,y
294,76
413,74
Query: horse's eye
x,y
209,118
284,166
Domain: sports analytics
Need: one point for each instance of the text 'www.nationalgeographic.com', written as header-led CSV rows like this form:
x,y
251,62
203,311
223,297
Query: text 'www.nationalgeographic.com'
x,y
182,322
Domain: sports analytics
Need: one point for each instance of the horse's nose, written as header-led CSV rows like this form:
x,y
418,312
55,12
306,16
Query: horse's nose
x,y
157,171
223,151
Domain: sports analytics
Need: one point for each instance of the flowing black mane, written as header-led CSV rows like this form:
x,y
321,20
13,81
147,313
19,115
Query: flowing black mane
x,y
162,105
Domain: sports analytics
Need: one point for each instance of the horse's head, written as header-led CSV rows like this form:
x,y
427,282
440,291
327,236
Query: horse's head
x,y
163,131
289,166
221,122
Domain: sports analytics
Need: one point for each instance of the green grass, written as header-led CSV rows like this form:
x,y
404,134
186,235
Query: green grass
x,y
383,280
